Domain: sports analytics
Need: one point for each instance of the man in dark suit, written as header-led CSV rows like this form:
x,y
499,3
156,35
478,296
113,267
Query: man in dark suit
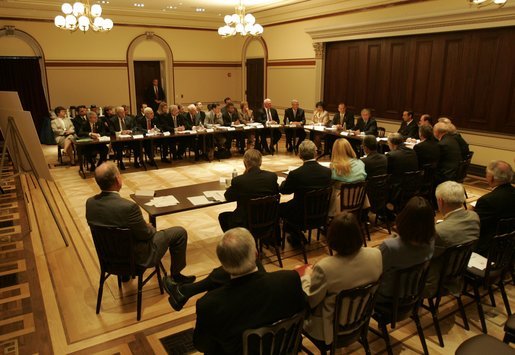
x,y
375,163
450,154
201,115
268,116
366,123
81,118
229,117
249,299
294,116
464,146
253,183
428,151
145,124
409,128
169,123
401,159
111,210
310,176
343,119
154,95
495,205
120,123
94,130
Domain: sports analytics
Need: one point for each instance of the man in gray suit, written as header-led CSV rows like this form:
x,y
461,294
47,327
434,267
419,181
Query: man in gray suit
x,y
109,209
458,226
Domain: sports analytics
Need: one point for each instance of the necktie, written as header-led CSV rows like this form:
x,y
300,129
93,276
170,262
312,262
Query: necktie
x,y
174,121
156,92
268,116
93,128
149,126
122,124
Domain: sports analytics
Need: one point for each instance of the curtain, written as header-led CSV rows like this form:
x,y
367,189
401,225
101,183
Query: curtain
x,y
23,74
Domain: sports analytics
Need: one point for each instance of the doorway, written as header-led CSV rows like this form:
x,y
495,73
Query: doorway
x,y
255,82
144,73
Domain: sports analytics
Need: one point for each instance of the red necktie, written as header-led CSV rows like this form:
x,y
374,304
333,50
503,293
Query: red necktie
x,y
149,126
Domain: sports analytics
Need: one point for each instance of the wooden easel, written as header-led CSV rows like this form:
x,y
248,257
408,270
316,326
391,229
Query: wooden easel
x,y
12,134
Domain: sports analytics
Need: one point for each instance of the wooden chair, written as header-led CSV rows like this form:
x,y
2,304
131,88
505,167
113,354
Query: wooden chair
x,y
280,338
427,184
509,330
463,168
316,209
500,256
453,262
408,285
352,197
263,223
377,192
116,256
507,225
408,187
352,311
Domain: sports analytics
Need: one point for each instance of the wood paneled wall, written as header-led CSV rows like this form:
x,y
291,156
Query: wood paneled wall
x,y
468,76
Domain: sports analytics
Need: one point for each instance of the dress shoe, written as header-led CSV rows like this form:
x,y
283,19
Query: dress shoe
x,y
136,165
183,279
165,160
152,162
177,300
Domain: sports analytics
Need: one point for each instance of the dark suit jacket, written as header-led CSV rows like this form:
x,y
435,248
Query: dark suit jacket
x,y
450,158
77,122
261,115
230,118
495,205
369,128
141,124
347,119
115,123
401,161
428,152
186,120
464,146
165,122
150,96
375,164
254,183
247,302
109,209
409,130
99,128
310,176
299,117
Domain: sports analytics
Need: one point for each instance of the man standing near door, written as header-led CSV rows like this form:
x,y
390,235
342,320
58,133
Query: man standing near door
x,y
154,95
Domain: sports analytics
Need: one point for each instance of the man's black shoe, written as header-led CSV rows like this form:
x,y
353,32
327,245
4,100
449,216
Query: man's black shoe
x,y
177,300
136,165
183,279
165,160
122,166
152,162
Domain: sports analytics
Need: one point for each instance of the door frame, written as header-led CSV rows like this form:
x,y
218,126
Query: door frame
x,y
167,69
244,66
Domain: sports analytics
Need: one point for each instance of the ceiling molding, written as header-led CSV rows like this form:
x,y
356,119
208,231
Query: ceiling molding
x,y
419,24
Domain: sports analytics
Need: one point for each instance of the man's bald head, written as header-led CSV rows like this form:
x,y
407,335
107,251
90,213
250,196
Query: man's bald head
x,y
499,172
108,177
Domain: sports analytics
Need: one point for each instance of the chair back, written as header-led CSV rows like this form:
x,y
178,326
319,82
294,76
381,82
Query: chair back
x,y
463,167
409,186
427,185
352,196
454,263
500,255
282,337
505,225
263,215
408,287
353,309
377,192
316,207
114,249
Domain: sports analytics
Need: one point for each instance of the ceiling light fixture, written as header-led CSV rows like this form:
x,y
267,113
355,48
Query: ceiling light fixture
x,y
483,3
240,23
82,17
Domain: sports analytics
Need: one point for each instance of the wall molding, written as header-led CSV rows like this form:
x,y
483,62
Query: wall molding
x,y
186,64
82,64
292,63
419,24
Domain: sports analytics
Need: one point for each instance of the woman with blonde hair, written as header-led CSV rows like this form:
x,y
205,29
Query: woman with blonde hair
x,y
345,168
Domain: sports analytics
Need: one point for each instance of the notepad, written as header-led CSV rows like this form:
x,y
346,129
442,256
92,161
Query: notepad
x,y
166,134
216,195
137,136
199,200
477,261
104,139
163,201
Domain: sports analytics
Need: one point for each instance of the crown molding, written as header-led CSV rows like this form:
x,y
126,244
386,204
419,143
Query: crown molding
x,y
417,24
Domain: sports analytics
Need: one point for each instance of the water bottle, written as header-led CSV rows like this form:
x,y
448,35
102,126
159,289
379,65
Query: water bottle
x,y
234,173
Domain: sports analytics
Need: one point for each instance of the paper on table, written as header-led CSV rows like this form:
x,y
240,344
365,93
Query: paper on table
x,y
216,195
137,136
163,201
477,261
148,193
280,179
199,200
308,126
344,133
124,136
473,203
319,128
104,139
166,134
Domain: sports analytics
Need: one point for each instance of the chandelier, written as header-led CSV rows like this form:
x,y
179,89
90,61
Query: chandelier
x,y
240,23
82,17
482,3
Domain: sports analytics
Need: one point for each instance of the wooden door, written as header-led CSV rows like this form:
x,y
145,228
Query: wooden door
x,y
144,73
255,82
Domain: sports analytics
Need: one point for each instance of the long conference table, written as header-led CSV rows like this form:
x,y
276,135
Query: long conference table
x,y
202,134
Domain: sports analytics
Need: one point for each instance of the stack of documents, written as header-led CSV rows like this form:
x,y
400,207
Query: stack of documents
x,y
477,261
217,195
